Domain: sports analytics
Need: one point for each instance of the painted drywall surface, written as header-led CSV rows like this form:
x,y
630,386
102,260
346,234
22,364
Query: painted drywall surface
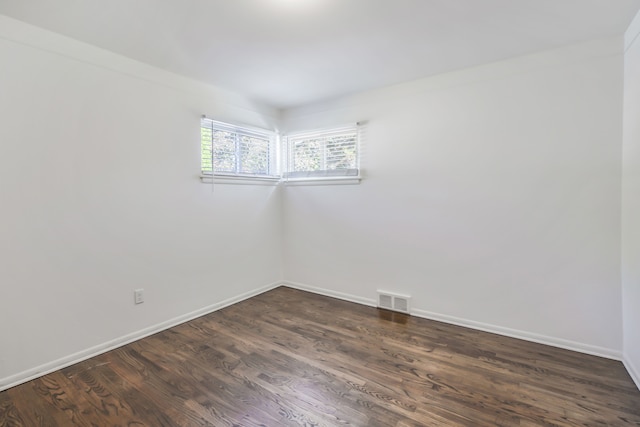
x,y
99,195
631,203
490,194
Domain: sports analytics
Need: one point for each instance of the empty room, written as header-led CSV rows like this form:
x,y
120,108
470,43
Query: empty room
x,y
320,213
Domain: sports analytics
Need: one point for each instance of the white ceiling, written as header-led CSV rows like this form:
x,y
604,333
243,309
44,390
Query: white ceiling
x,y
288,53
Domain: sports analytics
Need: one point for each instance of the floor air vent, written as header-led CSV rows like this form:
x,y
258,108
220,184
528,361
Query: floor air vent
x,y
395,302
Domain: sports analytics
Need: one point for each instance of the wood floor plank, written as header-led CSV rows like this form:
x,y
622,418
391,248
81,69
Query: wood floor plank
x,y
27,409
235,381
292,358
63,398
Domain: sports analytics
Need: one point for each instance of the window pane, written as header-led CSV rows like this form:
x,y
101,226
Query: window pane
x,y
324,154
341,152
224,156
254,155
307,155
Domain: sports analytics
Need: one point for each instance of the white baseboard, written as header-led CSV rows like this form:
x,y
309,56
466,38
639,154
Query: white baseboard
x,y
30,374
513,333
522,335
633,370
329,293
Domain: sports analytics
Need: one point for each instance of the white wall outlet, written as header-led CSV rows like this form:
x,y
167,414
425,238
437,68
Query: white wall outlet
x,y
138,296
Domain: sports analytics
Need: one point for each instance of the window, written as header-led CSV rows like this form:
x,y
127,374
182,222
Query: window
x,y
323,154
235,151
240,153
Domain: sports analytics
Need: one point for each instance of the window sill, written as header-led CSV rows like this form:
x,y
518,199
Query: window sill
x,y
239,180
346,180
259,180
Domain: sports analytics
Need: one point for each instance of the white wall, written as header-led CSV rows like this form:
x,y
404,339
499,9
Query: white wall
x,y
99,194
631,202
492,197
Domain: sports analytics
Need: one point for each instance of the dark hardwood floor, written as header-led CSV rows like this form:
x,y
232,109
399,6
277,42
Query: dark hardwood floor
x,y
291,358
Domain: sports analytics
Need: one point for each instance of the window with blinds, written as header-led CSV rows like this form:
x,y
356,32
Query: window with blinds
x,y
229,150
323,154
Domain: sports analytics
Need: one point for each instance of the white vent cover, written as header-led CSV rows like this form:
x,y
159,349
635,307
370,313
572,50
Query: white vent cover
x,y
395,302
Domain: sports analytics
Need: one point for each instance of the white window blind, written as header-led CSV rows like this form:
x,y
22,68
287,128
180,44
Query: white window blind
x,y
230,150
323,154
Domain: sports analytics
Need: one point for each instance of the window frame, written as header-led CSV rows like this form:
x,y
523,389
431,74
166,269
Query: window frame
x,y
279,156
324,175
272,174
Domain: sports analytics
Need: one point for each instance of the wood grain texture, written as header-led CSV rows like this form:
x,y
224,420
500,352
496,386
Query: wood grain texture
x,y
292,358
